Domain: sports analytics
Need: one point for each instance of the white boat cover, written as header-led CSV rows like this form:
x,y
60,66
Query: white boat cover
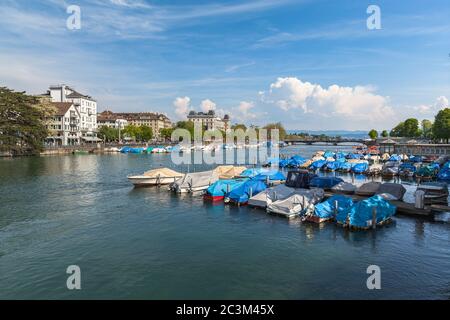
x,y
196,180
344,188
375,167
300,200
162,173
392,191
229,172
368,189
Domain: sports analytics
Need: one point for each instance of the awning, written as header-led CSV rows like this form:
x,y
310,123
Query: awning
x,y
91,139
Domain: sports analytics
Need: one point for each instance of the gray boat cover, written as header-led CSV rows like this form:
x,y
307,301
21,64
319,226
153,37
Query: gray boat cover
x,y
368,189
196,180
275,193
300,200
392,191
344,187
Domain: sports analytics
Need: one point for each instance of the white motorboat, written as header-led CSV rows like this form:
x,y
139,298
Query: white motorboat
x,y
162,176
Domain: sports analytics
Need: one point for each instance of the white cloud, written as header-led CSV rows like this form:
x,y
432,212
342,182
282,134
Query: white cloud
x,y
182,106
207,105
431,109
353,103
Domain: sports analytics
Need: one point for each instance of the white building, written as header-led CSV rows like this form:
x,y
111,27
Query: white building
x,y
64,125
210,120
85,105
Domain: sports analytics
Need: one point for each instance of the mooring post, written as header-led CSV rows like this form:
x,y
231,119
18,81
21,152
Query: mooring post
x,y
374,218
228,188
353,177
251,192
336,206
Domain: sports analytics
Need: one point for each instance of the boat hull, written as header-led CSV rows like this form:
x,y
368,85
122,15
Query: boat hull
x,y
152,181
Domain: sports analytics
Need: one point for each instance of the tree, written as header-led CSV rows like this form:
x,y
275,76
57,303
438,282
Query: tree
x,y
108,134
22,122
385,134
411,127
427,128
275,126
373,134
166,133
145,133
441,126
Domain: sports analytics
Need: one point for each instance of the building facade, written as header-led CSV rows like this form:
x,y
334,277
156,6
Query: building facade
x,y
210,120
64,125
86,106
156,121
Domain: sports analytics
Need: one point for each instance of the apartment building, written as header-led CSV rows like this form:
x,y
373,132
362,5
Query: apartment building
x,y
210,120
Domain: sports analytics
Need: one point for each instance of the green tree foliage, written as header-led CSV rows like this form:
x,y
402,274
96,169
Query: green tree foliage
x,y
408,128
166,133
385,134
22,122
427,128
373,134
108,134
138,133
239,126
441,126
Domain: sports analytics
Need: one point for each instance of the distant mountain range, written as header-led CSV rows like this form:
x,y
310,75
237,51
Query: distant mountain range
x,y
343,133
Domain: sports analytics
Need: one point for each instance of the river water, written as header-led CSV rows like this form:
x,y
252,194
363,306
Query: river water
x,y
147,243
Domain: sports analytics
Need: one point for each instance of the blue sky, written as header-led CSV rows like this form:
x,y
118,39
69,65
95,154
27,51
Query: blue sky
x,y
311,64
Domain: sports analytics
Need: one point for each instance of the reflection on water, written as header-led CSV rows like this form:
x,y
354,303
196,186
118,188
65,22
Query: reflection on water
x,y
150,243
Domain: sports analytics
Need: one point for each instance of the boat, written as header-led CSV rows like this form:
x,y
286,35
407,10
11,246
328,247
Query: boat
x,y
270,177
344,188
435,192
299,179
329,209
390,169
194,182
368,189
365,213
325,182
375,169
318,164
392,191
296,203
407,170
331,166
360,168
244,192
229,172
275,193
344,167
428,172
155,177
295,161
220,188
250,173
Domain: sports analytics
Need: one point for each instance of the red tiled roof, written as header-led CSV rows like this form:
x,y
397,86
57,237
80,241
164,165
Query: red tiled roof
x,y
61,107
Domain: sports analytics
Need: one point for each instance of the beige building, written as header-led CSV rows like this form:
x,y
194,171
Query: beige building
x,y
64,125
156,121
210,120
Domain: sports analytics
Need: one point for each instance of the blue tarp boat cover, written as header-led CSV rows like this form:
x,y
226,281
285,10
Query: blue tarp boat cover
x,y
360,214
250,173
345,166
353,156
407,166
395,157
444,174
325,182
332,165
221,187
125,149
272,175
296,161
328,154
326,209
241,194
415,159
317,164
273,161
283,163
340,155
360,167
446,165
